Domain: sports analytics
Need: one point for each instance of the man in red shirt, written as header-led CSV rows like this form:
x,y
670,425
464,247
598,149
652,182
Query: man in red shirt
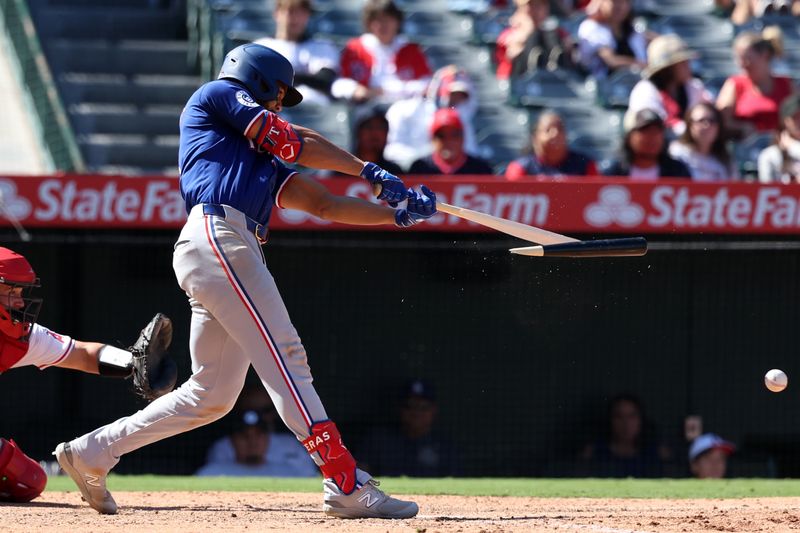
x,y
449,157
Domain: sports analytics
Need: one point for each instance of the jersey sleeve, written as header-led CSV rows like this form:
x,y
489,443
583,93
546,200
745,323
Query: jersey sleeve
x,y
46,348
233,105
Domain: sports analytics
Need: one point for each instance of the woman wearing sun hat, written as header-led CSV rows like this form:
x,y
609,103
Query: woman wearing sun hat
x,y
668,85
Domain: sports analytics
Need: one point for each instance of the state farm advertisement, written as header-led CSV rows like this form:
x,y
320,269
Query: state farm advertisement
x,y
597,205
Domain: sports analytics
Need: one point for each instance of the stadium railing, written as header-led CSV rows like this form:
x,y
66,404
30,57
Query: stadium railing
x,y
53,125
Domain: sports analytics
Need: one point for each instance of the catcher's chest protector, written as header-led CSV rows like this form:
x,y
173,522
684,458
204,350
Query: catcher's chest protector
x,y
21,478
11,351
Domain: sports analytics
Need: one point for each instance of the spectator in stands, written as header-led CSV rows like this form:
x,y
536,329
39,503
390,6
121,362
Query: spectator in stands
x,y
703,146
532,41
449,157
382,64
780,162
370,129
723,8
644,151
744,10
749,101
566,8
315,61
549,153
708,456
410,119
626,449
412,447
253,448
668,85
607,39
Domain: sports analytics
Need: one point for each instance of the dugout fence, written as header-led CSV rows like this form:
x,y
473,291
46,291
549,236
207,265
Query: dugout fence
x,y
524,353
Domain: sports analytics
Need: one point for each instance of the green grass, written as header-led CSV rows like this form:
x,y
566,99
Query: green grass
x,y
543,488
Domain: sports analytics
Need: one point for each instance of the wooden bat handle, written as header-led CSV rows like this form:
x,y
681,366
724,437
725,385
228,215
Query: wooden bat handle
x,y
509,227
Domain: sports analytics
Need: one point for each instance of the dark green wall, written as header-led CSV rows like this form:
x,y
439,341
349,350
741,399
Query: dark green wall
x,y
523,351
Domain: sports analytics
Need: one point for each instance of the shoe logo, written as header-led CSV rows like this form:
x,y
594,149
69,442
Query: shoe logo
x,y
614,206
368,500
92,480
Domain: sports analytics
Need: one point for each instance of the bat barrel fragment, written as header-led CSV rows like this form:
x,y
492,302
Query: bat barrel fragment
x,y
624,247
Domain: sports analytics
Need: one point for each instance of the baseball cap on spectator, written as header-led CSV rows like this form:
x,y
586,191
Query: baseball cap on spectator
x,y
455,81
707,442
445,117
636,120
419,388
367,112
241,420
790,105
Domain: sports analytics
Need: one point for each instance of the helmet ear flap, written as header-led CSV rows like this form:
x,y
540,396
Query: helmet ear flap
x,y
266,88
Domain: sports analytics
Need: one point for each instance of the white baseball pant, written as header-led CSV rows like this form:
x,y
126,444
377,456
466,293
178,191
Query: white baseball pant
x,y
238,319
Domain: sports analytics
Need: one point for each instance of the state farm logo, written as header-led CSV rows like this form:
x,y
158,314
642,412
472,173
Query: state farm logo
x,y
614,206
16,206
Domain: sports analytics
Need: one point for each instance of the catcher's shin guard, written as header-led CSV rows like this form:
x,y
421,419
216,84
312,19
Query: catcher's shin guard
x,y
21,478
334,460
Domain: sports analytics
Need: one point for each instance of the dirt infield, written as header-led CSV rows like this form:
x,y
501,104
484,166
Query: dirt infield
x,y
242,511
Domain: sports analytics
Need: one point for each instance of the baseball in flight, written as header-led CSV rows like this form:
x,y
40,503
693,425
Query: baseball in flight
x,y
776,380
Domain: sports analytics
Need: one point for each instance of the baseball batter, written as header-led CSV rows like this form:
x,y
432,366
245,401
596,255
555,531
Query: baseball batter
x,y
231,152
23,342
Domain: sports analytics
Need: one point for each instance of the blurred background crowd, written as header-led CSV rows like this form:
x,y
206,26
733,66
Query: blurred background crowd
x,y
696,89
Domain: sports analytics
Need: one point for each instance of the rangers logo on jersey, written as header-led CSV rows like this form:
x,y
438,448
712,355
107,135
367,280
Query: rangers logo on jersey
x,y
245,99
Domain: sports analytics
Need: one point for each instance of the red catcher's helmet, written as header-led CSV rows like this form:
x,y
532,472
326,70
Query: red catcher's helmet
x,y
16,272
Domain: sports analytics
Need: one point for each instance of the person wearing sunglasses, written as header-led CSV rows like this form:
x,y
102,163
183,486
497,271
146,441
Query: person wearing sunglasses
x,y
703,146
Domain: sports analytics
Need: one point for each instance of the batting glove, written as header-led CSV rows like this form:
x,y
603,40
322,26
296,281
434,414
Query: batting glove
x,y
393,190
420,207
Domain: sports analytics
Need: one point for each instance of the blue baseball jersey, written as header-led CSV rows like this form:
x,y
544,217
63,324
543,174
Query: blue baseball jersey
x,y
218,164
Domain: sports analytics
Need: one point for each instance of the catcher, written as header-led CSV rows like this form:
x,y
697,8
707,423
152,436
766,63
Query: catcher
x,y
23,342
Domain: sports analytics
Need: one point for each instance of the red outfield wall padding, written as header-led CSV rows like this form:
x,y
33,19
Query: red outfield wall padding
x,y
579,205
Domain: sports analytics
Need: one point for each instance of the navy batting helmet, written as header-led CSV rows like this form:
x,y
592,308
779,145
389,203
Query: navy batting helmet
x,y
260,69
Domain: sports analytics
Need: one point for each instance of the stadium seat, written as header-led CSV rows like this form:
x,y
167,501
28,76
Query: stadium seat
x,y
434,27
469,6
338,25
543,88
128,56
500,147
331,120
615,90
715,60
696,30
486,27
714,85
249,20
746,154
412,6
662,8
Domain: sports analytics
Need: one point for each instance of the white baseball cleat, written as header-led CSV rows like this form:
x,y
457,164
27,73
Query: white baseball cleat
x,y
367,502
91,482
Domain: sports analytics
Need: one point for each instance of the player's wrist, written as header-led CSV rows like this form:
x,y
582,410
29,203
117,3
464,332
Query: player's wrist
x,y
371,172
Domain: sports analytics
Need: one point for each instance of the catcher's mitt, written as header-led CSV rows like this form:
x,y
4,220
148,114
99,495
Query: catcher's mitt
x,y
154,373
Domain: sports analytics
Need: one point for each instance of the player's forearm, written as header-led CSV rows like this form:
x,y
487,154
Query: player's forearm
x,y
83,357
318,152
348,210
